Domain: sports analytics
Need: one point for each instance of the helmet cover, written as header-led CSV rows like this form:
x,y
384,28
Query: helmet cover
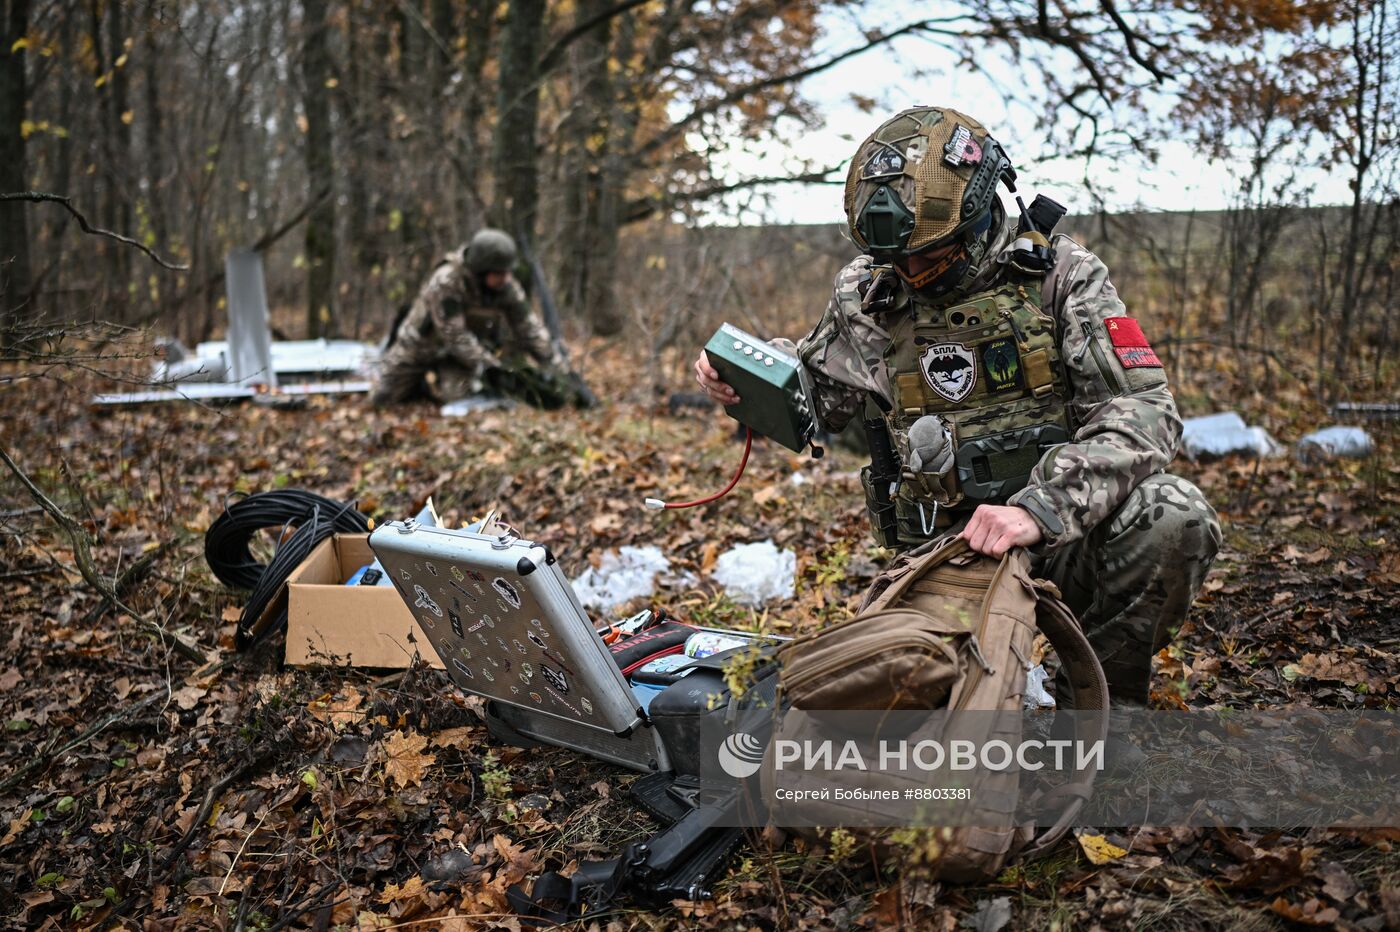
x,y
923,177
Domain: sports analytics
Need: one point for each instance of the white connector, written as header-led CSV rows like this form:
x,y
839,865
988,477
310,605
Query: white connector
x,y
655,504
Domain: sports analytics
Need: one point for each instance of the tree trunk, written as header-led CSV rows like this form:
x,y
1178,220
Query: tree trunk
x,y
154,160
120,169
14,229
586,285
514,154
479,32
441,19
604,314
320,167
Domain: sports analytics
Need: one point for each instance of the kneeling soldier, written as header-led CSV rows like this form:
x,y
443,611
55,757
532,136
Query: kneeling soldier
x,y
470,320
1024,406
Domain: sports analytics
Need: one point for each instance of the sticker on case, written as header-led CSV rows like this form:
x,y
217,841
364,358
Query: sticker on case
x,y
554,678
425,600
463,669
432,570
507,591
462,589
456,573
559,659
562,701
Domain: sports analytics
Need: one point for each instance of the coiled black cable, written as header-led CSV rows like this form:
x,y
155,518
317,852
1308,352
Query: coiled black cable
x,y
315,518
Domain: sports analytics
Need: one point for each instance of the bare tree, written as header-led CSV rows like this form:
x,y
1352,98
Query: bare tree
x,y
14,229
320,167
515,156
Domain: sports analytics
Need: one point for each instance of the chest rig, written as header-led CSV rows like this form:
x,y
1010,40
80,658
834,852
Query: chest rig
x,y
990,369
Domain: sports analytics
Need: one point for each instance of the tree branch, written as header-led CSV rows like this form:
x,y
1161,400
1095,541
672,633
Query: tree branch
x,y
642,208
40,196
1130,39
739,93
82,554
551,56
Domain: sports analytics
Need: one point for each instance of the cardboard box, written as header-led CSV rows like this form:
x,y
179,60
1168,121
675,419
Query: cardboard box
x,y
329,622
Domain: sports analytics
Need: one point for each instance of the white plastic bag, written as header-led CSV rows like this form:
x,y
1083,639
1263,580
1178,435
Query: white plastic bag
x,y
754,573
1223,434
621,576
1334,441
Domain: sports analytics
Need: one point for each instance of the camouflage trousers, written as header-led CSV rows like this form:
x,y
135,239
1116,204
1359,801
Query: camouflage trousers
x,y
1131,579
404,368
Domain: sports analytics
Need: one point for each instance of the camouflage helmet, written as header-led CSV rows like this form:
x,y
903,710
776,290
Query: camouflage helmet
x,y
491,251
925,176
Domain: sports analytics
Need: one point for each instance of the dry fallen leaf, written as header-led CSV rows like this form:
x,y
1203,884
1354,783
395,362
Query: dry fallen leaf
x,y
404,760
1310,913
411,887
1099,850
187,697
338,711
460,738
1311,557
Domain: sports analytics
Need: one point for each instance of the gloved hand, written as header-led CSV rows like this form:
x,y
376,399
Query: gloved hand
x,y
930,445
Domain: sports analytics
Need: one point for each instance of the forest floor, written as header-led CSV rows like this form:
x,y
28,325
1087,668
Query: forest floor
x,y
239,793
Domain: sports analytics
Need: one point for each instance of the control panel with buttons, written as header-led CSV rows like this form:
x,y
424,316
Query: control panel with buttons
x,y
773,396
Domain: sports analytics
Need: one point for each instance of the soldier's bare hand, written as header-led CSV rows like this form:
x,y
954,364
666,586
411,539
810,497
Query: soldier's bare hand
x,y
709,379
995,529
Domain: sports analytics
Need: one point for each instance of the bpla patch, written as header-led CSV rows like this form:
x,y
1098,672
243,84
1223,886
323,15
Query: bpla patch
x,y
1129,342
950,369
1002,364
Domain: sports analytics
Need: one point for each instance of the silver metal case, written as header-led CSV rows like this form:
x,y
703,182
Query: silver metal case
x,y
506,622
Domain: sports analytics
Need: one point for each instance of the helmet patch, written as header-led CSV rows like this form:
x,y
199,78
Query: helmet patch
x,y
950,369
885,162
962,149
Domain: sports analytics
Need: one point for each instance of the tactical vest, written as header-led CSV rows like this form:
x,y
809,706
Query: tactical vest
x,y
990,368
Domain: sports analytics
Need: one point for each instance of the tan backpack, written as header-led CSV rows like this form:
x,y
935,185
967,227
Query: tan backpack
x,y
947,628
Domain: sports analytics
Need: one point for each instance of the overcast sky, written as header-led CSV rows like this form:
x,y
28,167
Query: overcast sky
x,y
1180,180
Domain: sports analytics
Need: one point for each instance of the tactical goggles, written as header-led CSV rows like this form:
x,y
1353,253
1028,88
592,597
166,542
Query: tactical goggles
x,y
922,268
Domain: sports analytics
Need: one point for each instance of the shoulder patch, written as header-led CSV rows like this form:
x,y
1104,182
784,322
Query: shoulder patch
x,y
1130,344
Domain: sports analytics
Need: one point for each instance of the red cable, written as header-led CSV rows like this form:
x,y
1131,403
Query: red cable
x,y
748,445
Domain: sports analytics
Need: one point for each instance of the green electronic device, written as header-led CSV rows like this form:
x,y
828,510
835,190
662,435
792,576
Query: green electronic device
x,y
774,399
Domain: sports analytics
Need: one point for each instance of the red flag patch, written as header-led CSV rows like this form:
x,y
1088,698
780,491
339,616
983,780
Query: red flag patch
x,y
1130,344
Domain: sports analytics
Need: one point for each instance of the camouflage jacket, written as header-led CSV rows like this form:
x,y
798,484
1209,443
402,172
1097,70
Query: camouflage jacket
x,y
470,323
1125,420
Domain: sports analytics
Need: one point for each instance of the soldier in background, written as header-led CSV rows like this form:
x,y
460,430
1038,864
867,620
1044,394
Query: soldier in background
x,y
1023,406
471,328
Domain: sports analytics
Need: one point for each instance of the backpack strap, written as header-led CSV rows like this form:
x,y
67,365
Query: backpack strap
x,y
1090,690
909,568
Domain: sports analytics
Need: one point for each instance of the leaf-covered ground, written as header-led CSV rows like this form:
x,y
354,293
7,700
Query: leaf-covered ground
x,y
141,789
